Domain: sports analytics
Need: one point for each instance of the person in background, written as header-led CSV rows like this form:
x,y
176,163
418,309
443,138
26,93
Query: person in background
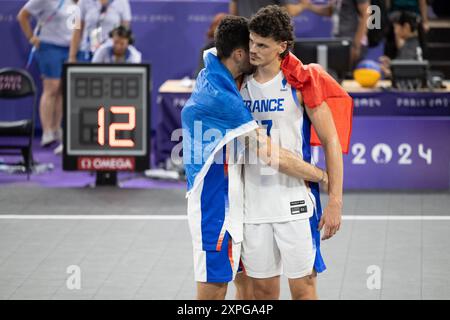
x,y
119,49
246,8
349,21
395,8
419,7
210,40
50,41
98,18
406,30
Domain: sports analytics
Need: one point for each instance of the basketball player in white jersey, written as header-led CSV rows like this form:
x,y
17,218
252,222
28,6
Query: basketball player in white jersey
x,y
283,215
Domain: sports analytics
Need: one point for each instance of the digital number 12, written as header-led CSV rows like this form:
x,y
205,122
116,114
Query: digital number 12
x,y
113,127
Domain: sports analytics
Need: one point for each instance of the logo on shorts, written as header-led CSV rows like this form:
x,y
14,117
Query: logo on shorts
x,y
298,207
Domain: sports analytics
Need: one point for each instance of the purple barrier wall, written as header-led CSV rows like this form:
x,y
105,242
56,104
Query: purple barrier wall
x,y
404,153
388,150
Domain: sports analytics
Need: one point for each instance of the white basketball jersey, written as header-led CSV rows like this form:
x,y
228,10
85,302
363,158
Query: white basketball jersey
x,y
271,196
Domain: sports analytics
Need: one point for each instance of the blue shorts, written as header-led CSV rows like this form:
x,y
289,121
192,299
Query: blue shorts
x,y
51,58
220,265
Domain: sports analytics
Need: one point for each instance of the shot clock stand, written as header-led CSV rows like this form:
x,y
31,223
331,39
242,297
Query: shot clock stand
x,y
106,116
106,178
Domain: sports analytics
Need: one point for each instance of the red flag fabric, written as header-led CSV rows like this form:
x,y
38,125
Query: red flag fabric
x,y
317,86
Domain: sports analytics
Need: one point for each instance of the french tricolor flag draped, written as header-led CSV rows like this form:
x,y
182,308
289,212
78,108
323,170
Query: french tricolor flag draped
x,y
317,86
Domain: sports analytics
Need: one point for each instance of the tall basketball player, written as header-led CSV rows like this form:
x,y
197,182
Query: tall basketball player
x,y
283,215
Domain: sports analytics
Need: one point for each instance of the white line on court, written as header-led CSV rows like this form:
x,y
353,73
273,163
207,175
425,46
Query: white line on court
x,y
396,218
92,217
184,217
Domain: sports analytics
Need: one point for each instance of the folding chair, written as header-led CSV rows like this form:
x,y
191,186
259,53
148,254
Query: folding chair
x,y
17,84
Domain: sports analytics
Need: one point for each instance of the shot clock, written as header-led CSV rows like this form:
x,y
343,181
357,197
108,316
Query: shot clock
x,y
106,117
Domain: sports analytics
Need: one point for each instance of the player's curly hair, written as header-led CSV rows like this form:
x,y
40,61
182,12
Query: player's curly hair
x,y
231,34
273,22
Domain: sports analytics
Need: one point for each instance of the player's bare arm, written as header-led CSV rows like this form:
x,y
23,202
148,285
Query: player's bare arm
x,y
284,160
322,120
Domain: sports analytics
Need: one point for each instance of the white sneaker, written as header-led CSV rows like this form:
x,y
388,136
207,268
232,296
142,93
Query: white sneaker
x,y
59,134
58,149
47,138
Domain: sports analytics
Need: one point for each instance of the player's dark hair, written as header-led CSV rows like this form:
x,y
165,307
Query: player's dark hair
x,y
273,22
231,34
415,23
410,18
123,32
